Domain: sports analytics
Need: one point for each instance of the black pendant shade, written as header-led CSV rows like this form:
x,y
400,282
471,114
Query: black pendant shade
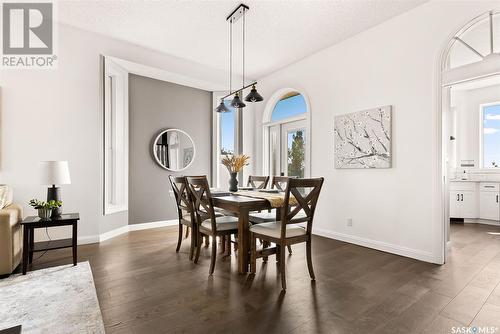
x,y
254,96
236,102
222,107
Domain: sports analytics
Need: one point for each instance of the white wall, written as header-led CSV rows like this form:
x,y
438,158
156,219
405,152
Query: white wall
x,y
55,115
395,63
466,104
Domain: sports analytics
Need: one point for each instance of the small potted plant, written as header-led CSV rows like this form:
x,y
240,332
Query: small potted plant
x,y
45,208
234,165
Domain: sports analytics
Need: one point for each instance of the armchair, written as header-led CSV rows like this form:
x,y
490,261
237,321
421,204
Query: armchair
x,y
11,238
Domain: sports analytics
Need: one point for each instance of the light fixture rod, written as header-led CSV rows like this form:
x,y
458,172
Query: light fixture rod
x,y
241,89
491,32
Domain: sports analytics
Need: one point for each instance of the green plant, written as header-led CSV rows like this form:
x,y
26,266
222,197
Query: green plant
x,y
45,205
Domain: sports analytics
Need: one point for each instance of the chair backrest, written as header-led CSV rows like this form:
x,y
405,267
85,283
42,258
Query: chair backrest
x,y
258,182
279,182
201,199
306,193
182,200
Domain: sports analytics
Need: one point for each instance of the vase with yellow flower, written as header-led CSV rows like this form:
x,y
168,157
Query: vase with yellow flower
x,y
234,165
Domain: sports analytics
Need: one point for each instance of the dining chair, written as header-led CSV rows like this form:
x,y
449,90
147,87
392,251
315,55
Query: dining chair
x,y
279,183
185,211
258,182
208,223
287,230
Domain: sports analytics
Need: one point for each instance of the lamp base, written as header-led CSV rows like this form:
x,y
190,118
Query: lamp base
x,y
54,194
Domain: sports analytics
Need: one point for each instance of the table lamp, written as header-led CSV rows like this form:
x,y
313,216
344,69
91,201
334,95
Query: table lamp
x,y
54,174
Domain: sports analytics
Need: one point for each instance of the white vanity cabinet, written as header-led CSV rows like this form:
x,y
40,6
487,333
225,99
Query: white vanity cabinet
x,y
489,206
463,200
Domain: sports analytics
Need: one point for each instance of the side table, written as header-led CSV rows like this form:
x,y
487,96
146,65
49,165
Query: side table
x,y
33,222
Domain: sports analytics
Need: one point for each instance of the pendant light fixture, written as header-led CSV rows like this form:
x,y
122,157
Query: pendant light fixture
x,y
253,96
222,107
236,102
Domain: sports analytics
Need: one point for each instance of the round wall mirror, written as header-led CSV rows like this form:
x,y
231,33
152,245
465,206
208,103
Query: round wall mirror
x,y
174,150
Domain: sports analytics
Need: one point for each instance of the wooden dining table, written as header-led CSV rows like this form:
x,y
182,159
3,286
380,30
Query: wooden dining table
x,y
241,206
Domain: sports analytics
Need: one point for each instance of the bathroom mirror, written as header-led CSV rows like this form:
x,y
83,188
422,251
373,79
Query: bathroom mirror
x,y
174,150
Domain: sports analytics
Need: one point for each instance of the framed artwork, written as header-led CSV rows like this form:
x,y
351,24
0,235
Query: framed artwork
x,y
363,139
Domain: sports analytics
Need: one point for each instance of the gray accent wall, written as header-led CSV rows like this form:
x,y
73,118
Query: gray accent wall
x,y
155,105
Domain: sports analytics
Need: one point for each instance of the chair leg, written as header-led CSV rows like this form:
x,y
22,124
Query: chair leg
x,y
223,244
207,241
228,240
179,240
309,260
213,257
187,232
199,240
193,244
289,249
282,269
253,253
278,252
265,244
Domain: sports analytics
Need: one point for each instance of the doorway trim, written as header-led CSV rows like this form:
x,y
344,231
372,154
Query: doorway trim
x,y
267,123
441,180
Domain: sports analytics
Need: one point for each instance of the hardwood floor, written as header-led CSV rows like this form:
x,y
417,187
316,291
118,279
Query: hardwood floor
x,y
145,287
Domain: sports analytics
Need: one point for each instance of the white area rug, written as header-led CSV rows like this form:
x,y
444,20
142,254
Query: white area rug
x,y
53,300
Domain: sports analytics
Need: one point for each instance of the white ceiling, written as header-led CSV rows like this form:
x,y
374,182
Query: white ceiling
x,y
278,32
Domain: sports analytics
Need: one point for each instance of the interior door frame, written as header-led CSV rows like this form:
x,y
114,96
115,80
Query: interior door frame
x,y
445,78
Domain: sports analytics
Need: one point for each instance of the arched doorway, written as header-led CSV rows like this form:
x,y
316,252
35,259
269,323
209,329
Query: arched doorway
x,y
287,134
470,61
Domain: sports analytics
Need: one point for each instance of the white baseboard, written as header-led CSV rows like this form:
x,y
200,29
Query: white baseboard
x,y
145,226
113,233
92,239
124,229
379,245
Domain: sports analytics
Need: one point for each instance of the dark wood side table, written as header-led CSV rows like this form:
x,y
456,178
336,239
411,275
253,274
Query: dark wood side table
x,y
31,223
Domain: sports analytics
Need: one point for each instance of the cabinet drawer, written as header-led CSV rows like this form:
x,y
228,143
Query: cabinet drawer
x,y
463,186
488,186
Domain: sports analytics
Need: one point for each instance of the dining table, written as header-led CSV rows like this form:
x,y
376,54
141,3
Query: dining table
x,y
240,206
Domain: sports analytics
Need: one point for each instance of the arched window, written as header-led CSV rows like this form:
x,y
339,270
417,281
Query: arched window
x,y
287,134
478,41
290,105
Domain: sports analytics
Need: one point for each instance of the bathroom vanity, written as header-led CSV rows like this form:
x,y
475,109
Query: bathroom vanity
x,y
475,200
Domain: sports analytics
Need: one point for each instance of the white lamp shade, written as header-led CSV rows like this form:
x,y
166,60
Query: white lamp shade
x,y
54,172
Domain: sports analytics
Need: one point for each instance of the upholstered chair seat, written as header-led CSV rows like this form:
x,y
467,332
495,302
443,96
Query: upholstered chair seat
x,y
222,223
273,229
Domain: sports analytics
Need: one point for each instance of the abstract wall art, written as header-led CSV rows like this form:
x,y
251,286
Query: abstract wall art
x,y
363,139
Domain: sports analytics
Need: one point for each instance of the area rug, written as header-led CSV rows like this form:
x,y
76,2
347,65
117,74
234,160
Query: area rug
x,y
53,300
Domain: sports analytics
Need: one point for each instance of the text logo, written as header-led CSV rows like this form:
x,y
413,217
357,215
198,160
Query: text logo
x,y
28,35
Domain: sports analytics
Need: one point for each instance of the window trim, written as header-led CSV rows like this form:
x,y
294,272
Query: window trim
x,y
481,134
267,124
111,69
216,138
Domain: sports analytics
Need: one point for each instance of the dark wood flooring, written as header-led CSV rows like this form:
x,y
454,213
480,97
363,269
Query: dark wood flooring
x,y
145,287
